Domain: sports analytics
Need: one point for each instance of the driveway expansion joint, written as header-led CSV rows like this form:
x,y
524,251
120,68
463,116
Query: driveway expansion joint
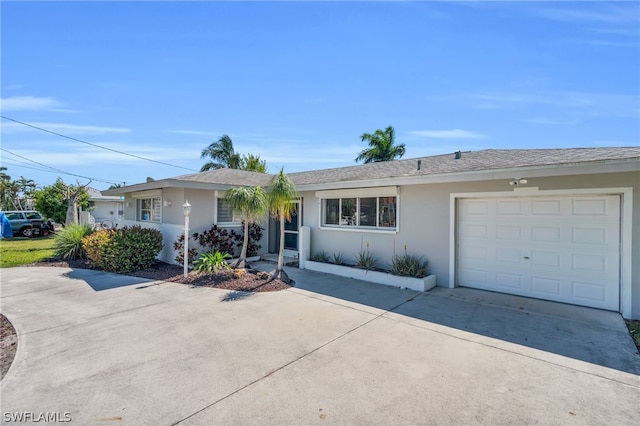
x,y
282,367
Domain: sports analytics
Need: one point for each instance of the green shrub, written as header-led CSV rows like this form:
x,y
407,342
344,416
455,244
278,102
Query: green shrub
x,y
320,257
365,260
338,258
94,243
68,242
212,262
409,265
125,249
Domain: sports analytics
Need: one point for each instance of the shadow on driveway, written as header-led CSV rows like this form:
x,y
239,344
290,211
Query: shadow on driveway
x,y
591,335
99,280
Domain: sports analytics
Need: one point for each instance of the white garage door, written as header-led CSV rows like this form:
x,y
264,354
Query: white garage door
x,y
565,249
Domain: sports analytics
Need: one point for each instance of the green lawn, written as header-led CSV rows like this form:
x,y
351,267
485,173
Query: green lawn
x,y
22,251
634,330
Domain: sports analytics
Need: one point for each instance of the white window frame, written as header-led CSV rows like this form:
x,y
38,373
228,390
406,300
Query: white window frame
x,y
358,194
156,200
236,221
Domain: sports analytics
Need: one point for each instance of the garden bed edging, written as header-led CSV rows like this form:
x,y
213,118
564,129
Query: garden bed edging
x,y
384,278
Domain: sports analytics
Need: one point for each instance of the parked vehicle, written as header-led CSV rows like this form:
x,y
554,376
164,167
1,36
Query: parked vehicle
x,y
26,223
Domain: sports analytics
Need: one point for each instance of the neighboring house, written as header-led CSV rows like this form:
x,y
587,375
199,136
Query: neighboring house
x,y
106,209
555,224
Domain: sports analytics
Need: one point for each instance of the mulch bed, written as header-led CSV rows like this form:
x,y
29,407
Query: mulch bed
x,y
249,280
8,345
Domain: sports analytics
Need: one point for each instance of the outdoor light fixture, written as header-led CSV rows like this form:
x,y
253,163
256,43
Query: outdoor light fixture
x,y
517,182
186,208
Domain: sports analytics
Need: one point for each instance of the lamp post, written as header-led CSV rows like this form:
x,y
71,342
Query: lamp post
x,y
186,208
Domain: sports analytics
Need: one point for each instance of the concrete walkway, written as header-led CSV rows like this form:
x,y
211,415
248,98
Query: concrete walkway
x,y
107,348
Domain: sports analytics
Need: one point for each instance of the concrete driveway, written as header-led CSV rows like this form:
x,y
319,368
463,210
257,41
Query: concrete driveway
x,y
101,348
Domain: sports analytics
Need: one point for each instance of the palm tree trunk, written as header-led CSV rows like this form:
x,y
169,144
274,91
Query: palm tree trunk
x,y
279,273
242,261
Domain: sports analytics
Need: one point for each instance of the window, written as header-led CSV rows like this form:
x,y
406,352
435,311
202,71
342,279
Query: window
x,y
225,212
365,212
149,209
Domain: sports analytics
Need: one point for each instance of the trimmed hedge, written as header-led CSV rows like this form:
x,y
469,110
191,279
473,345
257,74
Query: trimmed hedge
x,y
124,249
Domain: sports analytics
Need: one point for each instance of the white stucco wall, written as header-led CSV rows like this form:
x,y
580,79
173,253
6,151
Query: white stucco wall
x,y
202,218
425,222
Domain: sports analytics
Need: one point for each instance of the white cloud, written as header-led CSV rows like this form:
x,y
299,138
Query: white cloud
x,y
448,134
28,103
63,128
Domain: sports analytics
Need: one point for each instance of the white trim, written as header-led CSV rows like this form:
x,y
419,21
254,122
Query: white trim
x,y
594,167
626,219
370,193
382,191
361,230
232,224
156,193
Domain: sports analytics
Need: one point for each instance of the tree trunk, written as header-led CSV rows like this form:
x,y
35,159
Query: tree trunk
x,y
279,273
72,207
242,261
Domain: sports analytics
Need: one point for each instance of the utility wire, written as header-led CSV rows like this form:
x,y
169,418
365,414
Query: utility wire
x,y
53,169
96,145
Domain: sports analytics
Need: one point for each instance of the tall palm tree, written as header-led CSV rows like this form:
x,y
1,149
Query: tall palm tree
x,y
251,205
382,146
282,192
5,190
25,190
223,152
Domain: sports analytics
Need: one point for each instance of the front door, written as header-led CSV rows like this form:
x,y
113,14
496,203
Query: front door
x,y
291,230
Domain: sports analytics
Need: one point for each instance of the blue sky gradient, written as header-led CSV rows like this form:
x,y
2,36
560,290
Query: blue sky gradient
x,y
299,82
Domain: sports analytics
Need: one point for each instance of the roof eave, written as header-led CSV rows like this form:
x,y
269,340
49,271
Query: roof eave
x,y
592,167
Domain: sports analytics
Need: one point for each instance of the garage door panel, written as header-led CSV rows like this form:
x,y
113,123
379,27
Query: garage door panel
x,y
546,207
589,292
513,281
544,286
551,260
548,234
594,206
558,248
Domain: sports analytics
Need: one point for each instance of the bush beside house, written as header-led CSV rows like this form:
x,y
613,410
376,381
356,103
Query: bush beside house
x,y
125,249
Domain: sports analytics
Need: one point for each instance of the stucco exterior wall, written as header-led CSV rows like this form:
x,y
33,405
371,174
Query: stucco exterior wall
x,y
425,222
202,217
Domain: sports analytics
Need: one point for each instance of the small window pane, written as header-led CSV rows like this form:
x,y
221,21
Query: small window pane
x,y
331,211
367,212
349,207
387,212
225,214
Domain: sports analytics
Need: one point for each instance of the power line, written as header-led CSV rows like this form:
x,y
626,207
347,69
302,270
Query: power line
x,y
55,170
95,145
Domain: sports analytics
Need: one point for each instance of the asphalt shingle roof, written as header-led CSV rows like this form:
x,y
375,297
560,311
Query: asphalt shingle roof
x,y
229,177
470,161
489,159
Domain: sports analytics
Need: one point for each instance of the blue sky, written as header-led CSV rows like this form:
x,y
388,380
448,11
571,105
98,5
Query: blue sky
x,y
299,82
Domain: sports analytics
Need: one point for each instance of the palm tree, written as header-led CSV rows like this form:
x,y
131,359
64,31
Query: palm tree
x,y
253,163
382,146
5,190
25,190
282,193
223,152
251,205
